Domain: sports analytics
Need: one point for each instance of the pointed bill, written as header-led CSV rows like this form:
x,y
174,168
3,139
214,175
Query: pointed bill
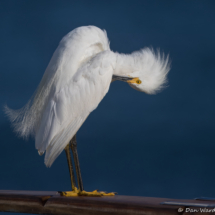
x,y
121,78
126,79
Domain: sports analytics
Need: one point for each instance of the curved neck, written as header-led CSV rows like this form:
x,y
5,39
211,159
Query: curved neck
x,y
123,64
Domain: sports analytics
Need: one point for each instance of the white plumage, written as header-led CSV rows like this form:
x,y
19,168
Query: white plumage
x,y
75,81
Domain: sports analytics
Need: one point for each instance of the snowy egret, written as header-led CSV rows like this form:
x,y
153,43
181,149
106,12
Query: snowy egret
x,y
76,80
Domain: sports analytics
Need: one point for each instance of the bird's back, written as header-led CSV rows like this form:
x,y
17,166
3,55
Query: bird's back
x,y
75,48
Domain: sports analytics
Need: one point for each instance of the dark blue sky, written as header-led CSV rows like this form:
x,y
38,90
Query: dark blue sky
x,y
135,144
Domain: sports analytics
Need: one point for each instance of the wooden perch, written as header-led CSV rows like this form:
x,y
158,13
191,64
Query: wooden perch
x,y
50,202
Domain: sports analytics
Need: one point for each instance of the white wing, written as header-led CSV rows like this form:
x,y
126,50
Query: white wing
x,y
67,109
76,48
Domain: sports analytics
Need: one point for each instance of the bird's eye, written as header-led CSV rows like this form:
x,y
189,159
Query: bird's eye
x,y
138,81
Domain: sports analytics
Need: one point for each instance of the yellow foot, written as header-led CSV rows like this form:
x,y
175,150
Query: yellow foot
x,y
70,193
95,193
77,192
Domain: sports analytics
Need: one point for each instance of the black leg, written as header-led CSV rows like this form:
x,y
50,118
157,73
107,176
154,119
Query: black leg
x,y
78,192
73,145
71,171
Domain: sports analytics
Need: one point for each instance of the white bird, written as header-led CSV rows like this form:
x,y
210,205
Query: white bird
x,y
76,80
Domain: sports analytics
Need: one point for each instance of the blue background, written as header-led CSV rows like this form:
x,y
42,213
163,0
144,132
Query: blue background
x,y
133,143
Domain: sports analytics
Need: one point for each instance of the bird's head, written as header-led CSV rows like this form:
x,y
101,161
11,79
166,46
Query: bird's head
x,y
147,71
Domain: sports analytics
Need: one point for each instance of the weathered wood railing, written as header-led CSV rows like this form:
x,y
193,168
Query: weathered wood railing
x,y
50,202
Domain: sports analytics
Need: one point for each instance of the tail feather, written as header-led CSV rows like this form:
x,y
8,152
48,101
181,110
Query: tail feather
x,y
18,119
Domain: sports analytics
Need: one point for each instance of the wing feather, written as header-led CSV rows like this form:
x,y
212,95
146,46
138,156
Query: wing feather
x,y
76,48
63,137
69,108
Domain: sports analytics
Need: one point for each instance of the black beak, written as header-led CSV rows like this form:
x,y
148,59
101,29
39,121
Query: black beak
x,y
121,78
